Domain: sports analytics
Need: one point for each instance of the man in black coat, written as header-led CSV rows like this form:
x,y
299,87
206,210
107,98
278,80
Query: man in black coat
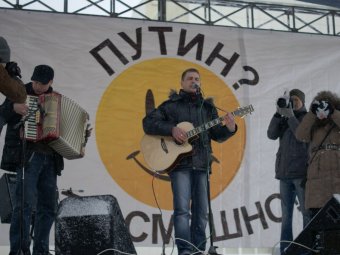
x,y
41,167
189,177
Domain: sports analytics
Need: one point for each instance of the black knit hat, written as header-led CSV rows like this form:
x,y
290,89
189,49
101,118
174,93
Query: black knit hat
x,y
43,74
5,52
299,94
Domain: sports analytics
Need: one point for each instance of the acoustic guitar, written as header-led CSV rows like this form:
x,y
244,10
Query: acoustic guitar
x,y
161,153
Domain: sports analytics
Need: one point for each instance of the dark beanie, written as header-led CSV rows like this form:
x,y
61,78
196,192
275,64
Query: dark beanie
x,y
43,74
5,52
298,93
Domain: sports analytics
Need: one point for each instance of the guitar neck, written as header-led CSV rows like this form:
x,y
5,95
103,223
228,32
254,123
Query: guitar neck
x,y
204,127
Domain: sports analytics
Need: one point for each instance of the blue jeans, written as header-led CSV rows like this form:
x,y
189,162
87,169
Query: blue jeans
x,y
40,184
189,190
289,190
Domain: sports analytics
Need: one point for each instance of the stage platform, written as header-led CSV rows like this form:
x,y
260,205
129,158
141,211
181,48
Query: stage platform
x,y
168,251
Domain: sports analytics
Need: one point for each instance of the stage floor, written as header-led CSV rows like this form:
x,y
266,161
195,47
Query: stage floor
x,y
168,251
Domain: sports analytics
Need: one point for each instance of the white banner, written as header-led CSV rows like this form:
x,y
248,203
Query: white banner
x,y
117,68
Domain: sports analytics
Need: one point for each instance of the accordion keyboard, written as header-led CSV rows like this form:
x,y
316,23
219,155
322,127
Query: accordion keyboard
x,y
31,130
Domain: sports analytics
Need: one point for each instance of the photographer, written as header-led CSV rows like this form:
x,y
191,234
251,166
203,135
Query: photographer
x,y
321,128
10,84
291,159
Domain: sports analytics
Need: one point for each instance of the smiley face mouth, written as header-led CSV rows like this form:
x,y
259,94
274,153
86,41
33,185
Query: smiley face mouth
x,y
133,156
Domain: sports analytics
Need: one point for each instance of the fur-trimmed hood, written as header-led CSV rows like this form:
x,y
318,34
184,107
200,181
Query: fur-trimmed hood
x,y
174,95
329,96
333,99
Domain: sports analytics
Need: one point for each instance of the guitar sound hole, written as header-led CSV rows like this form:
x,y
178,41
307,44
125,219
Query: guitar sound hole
x,y
164,147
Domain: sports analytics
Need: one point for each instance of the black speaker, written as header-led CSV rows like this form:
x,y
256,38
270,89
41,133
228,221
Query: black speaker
x,y
7,196
322,233
89,225
7,193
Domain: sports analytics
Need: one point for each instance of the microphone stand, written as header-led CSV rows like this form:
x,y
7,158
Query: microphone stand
x,y
212,248
21,123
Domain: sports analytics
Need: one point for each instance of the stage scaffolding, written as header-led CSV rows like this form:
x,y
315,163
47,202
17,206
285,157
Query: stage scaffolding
x,y
241,14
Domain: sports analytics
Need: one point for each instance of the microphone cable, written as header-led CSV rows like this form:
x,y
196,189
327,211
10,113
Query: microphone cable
x,y
292,242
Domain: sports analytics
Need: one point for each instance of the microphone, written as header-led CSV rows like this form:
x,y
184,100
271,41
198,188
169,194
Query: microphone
x,y
197,87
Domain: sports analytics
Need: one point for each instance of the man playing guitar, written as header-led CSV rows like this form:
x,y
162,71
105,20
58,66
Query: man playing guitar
x,y
190,172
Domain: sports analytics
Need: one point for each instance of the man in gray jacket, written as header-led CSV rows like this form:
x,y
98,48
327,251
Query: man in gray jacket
x,y
291,159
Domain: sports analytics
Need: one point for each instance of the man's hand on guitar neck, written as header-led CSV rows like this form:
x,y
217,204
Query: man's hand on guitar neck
x,y
179,135
229,121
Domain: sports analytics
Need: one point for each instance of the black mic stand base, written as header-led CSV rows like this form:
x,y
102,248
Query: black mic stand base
x,y
212,250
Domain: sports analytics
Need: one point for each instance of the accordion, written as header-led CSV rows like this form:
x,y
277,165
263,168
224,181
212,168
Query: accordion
x,y
59,121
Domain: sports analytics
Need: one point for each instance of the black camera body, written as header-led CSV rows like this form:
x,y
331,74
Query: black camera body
x,y
13,69
284,102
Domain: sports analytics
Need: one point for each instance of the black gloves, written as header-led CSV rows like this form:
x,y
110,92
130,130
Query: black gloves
x,y
285,112
13,69
314,106
322,109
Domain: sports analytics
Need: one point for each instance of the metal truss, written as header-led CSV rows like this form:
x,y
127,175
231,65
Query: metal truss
x,y
242,14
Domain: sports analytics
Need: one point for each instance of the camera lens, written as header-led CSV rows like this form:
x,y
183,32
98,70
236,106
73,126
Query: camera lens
x,y
281,103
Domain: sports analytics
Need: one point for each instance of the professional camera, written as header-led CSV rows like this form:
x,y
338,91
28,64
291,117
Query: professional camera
x,y
284,101
13,69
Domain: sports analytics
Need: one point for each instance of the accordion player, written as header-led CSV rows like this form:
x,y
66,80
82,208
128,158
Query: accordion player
x,y
58,120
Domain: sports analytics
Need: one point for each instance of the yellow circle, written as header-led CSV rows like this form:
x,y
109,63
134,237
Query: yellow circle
x,y
119,128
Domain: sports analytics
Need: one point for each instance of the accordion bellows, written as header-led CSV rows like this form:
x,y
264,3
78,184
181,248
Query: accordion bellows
x,y
60,121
